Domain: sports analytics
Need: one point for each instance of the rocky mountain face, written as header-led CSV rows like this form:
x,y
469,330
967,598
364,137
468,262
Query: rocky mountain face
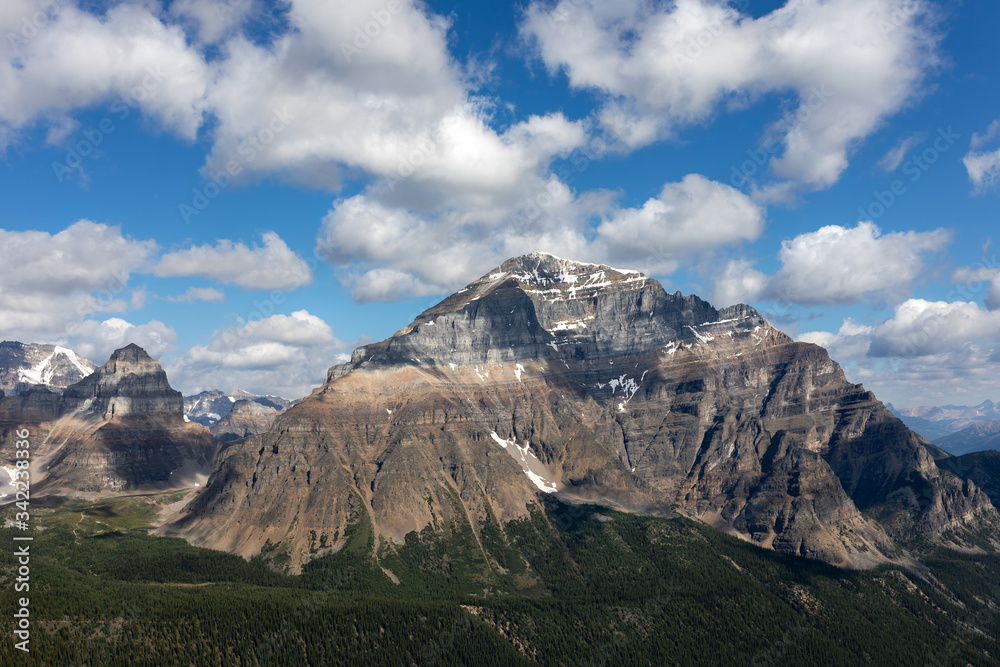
x,y
131,383
119,428
551,376
208,408
979,436
247,417
982,468
23,366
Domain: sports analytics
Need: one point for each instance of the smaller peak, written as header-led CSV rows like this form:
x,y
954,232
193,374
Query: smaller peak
x,y
130,352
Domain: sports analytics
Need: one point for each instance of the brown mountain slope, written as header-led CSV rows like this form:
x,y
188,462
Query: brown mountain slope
x,y
555,376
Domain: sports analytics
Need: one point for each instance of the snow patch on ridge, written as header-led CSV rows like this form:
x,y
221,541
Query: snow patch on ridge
x,y
595,282
569,279
8,485
576,263
629,387
569,325
701,339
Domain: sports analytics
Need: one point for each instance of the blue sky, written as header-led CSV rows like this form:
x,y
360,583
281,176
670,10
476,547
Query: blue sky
x,y
373,173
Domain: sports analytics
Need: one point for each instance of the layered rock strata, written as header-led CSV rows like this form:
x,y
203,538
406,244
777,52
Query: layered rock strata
x,y
551,376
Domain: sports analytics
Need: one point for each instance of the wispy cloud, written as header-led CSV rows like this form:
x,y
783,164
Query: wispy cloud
x,y
891,160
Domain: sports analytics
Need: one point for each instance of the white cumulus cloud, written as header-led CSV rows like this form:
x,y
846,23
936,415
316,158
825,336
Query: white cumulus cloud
x,y
983,166
282,354
50,281
694,215
271,266
837,265
892,159
56,58
209,294
391,252
974,278
97,340
847,65
927,350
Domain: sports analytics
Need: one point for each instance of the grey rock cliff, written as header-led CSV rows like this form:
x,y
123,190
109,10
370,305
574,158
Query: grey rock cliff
x,y
130,383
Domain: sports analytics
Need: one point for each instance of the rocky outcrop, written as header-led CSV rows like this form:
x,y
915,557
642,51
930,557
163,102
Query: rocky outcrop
x,y
120,428
553,376
23,366
982,468
38,404
247,417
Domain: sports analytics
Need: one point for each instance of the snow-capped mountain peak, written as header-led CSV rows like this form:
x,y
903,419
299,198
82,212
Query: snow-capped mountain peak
x,y
23,365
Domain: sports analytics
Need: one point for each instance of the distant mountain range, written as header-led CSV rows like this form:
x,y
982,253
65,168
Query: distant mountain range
x,y
236,415
495,453
26,366
980,436
957,428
